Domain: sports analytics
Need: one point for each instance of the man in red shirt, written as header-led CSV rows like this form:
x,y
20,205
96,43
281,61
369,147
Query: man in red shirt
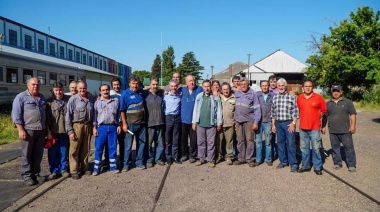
x,y
312,107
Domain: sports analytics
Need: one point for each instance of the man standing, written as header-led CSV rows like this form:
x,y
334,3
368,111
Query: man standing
x,y
235,83
106,128
153,100
284,118
311,108
341,115
273,84
133,119
176,77
265,125
207,124
56,109
28,114
189,94
172,106
228,131
72,88
78,120
247,117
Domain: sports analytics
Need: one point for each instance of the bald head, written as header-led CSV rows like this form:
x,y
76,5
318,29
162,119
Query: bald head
x,y
33,86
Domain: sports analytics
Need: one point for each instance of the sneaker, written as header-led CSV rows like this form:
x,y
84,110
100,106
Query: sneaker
x,y
160,163
238,162
40,179
352,169
65,174
183,159
293,169
117,171
95,173
211,164
337,166
75,176
142,167
29,182
229,161
198,163
149,165
281,165
53,176
192,160
270,163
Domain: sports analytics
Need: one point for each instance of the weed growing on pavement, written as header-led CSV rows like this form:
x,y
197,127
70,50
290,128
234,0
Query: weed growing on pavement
x,y
8,133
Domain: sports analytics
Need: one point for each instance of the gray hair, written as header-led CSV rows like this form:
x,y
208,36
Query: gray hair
x,y
190,76
173,81
243,79
282,80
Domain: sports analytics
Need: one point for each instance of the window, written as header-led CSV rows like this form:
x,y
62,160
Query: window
x,y
71,78
1,74
27,75
12,75
77,57
53,78
28,42
89,60
70,54
52,49
61,52
100,64
84,59
105,66
96,62
62,79
41,46
12,37
41,76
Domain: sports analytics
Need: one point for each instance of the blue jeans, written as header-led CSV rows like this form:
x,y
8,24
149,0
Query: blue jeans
x,y
348,144
266,129
58,154
107,135
173,124
286,144
313,138
156,147
139,131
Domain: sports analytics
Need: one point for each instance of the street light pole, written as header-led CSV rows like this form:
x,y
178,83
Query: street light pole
x,y
249,75
212,72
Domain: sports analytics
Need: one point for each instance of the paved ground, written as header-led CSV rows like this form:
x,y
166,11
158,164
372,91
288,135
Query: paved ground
x,y
224,188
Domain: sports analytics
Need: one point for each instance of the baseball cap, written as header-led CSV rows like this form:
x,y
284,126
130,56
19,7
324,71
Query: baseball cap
x,y
336,88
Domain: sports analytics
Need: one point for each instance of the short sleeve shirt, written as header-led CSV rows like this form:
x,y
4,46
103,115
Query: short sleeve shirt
x,y
338,115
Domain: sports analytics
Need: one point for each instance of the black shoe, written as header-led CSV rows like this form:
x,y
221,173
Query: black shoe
x,y
238,162
318,172
293,169
183,159
75,176
169,162
302,170
269,163
281,165
177,162
40,179
192,160
30,182
160,163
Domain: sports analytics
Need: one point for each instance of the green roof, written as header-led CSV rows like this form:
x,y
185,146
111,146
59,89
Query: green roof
x,y
146,81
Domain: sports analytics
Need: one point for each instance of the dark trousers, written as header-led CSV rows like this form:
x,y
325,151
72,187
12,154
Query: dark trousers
x,y
172,136
348,144
186,133
32,150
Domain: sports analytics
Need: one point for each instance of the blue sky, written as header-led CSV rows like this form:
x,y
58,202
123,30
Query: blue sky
x,y
219,32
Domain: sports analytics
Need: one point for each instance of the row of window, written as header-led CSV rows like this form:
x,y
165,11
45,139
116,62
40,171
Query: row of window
x,y
12,76
41,48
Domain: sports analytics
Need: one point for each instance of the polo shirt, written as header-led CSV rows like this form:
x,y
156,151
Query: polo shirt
x,y
133,104
338,115
310,111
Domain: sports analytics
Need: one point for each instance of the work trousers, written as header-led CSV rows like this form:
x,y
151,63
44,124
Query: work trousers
x,y
225,136
107,136
58,154
186,134
206,143
245,141
32,150
173,123
80,149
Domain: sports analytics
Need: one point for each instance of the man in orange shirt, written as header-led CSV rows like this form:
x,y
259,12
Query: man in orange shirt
x,y
312,107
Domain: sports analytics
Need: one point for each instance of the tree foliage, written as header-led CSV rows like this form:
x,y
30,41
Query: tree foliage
x,y
190,65
141,74
168,64
350,55
156,67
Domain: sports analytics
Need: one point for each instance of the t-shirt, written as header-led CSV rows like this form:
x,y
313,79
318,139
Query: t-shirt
x,y
338,115
154,108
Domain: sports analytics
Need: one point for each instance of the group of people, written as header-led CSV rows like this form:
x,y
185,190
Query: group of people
x,y
208,124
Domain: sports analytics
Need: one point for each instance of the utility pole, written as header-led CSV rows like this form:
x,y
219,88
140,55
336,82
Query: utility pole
x,y
249,74
162,60
212,72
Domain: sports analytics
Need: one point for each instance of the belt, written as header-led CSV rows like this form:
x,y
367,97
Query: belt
x,y
173,115
83,122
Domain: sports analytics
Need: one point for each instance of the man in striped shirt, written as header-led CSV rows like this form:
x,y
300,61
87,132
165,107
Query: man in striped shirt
x,y
284,118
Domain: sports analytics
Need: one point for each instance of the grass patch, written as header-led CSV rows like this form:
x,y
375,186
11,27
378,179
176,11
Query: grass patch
x,y
8,133
367,106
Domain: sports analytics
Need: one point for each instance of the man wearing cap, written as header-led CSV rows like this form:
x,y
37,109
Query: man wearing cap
x,y
341,116
284,114
311,107
28,114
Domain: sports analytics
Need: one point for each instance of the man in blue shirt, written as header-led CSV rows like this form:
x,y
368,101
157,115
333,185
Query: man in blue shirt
x,y
133,120
189,94
172,107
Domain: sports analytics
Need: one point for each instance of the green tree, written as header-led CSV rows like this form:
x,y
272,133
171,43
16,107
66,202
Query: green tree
x,y
350,55
190,65
141,74
168,64
156,67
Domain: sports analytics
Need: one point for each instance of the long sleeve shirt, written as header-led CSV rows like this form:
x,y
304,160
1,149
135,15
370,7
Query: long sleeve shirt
x,y
265,106
78,111
247,107
55,114
284,107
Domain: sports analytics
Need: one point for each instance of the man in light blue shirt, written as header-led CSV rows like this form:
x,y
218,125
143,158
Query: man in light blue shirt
x,y
172,107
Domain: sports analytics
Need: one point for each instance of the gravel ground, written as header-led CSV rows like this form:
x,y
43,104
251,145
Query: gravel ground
x,y
225,188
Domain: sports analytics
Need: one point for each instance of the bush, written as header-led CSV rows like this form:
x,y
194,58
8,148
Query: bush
x,y
372,95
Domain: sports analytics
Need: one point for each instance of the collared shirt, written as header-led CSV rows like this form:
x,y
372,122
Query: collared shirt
x,y
273,90
133,104
29,111
55,114
265,105
79,111
284,107
172,103
216,110
106,112
114,94
338,115
155,111
247,107
310,111
228,105
187,103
